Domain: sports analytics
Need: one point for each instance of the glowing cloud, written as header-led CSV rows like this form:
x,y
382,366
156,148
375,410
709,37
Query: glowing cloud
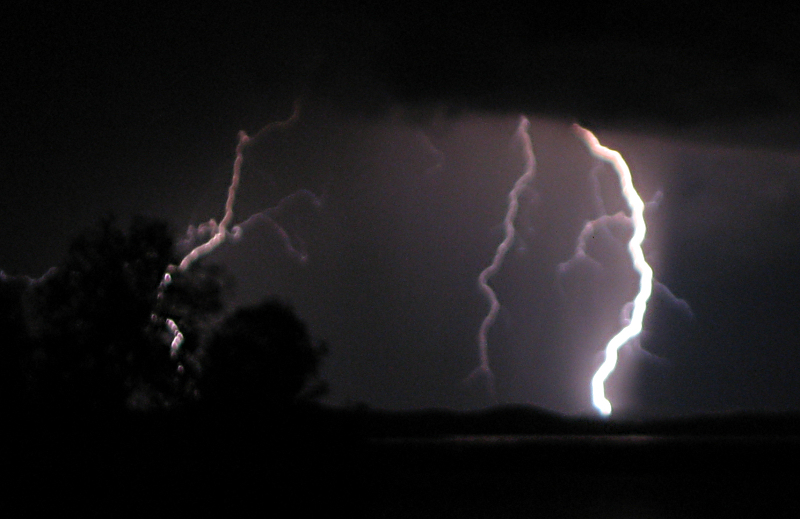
x,y
483,368
634,326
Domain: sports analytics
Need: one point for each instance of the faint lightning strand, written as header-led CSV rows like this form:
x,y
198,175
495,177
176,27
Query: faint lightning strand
x,y
484,368
634,327
435,152
268,216
5,278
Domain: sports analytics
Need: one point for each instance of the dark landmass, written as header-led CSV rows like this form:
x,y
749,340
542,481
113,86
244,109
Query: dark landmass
x,y
521,421
507,461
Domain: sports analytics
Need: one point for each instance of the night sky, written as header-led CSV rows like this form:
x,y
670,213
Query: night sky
x,y
405,135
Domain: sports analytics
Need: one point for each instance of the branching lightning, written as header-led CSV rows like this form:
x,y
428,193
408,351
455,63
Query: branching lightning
x,y
484,369
212,235
220,232
634,324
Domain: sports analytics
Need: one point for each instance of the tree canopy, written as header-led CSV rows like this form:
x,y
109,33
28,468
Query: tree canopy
x,y
94,333
262,356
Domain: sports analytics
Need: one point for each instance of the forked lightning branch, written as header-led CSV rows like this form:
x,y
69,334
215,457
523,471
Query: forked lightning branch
x,y
639,304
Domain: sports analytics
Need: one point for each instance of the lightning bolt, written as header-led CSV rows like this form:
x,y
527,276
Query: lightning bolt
x,y
220,232
484,369
634,326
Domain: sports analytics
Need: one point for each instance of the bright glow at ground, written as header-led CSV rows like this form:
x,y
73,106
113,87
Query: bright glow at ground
x,y
634,327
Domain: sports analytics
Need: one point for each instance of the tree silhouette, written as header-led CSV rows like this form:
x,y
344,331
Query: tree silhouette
x,y
261,357
98,321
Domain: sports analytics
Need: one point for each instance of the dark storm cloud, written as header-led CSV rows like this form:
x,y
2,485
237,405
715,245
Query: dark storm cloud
x,y
661,67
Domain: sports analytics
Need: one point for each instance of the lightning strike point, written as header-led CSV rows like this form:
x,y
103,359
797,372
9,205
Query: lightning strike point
x,y
639,304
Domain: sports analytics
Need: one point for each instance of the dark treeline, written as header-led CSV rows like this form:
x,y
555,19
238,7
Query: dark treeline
x,y
91,338
101,409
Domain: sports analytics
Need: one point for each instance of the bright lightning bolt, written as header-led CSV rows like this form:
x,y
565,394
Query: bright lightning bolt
x,y
634,326
522,182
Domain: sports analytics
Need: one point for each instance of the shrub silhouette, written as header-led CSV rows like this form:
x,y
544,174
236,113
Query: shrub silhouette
x,y
261,357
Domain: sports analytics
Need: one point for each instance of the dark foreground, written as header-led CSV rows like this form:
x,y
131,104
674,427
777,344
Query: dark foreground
x,y
503,463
